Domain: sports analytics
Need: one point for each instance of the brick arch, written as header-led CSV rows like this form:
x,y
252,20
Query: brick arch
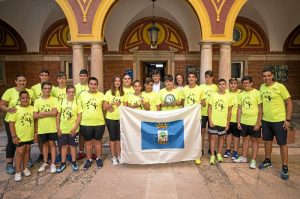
x,y
292,42
11,41
170,36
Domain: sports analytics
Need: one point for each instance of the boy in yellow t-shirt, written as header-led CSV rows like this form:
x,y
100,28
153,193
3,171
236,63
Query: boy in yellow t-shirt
x,y
208,87
233,131
45,110
135,100
92,123
21,124
81,87
192,94
113,99
170,98
67,122
60,91
219,115
277,112
128,89
149,96
249,119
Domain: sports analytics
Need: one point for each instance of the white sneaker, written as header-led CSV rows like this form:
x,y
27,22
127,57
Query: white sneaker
x,y
43,167
18,177
240,159
120,161
252,164
52,168
26,172
114,161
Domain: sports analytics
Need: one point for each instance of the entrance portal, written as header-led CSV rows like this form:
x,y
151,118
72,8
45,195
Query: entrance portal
x,y
148,67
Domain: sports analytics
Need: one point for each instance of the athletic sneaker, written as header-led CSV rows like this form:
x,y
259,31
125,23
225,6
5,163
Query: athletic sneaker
x,y
61,168
99,163
235,155
240,159
227,154
284,173
26,172
219,157
69,157
120,161
10,169
114,161
43,167
40,159
212,159
88,164
74,166
209,152
265,164
58,159
30,163
197,161
252,164
80,155
52,168
18,177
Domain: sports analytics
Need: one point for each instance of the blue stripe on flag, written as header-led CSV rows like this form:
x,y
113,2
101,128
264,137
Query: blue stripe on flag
x,y
168,135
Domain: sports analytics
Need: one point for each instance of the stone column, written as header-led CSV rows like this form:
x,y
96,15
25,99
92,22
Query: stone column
x,y
225,61
97,64
206,59
78,61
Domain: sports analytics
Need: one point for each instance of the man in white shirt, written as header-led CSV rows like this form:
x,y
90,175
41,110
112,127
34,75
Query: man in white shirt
x,y
158,85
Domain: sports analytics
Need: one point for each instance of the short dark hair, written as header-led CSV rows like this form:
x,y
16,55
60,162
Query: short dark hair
x,y
23,92
148,80
268,69
70,87
245,78
93,79
221,80
44,71
83,72
192,73
168,77
233,80
209,73
46,83
61,74
20,75
136,81
155,72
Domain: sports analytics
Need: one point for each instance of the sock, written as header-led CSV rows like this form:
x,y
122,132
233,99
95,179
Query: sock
x,y
9,163
285,167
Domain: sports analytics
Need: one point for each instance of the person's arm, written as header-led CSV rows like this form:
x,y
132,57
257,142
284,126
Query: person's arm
x,y
209,116
239,113
76,125
58,124
258,121
107,106
51,113
228,118
14,136
4,107
289,110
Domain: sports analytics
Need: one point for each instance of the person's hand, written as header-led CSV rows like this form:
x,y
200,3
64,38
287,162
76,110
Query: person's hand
x,y
35,139
256,127
239,126
286,124
211,124
227,127
11,110
16,140
59,133
73,131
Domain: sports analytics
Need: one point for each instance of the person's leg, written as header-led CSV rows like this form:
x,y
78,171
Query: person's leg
x,y
20,151
64,149
89,149
245,146
213,142
254,144
268,149
26,155
118,148
112,146
73,153
220,143
236,142
45,151
228,141
52,151
98,148
10,147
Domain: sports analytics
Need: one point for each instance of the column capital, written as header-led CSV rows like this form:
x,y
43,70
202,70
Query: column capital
x,y
205,42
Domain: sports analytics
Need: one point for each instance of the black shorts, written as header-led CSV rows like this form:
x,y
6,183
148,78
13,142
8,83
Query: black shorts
x,y
271,129
217,130
67,139
113,127
247,130
92,132
24,143
204,121
233,129
43,138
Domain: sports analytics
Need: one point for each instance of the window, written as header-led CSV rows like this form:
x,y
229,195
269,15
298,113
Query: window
x,y
68,68
237,69
2,73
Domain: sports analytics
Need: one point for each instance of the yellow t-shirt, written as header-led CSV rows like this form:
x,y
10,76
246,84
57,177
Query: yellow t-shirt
x,y
108,97
92,112
219,106
80,89
249,101
48,124
135,100
24,123
11,95
127,92
59,93
37,91
273,102
169,96
68,111
152,98
208,90
234,96
192,96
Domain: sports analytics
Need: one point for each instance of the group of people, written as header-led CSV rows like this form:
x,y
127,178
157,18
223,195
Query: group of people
x,y
77,115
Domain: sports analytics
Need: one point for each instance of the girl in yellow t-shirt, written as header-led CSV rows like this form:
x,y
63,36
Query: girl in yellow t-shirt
x,y
21,124
113,99
136,100
149,96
